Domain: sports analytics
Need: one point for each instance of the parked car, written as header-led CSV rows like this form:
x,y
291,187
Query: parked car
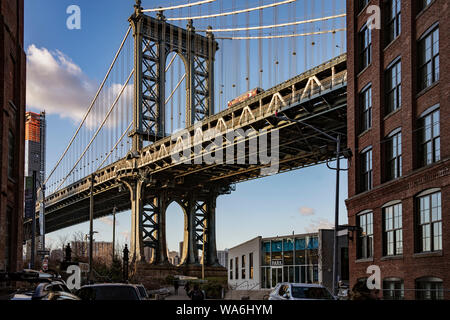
x,y
110,291
300,291
43,286
142,292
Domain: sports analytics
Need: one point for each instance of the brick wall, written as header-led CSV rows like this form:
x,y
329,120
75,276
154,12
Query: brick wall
x,y
414,180
12,119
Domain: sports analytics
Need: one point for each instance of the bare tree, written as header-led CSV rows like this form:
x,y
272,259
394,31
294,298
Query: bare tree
x,y
63,239
79,246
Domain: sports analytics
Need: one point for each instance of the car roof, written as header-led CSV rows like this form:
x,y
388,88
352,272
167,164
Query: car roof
x,y
306,285
109,285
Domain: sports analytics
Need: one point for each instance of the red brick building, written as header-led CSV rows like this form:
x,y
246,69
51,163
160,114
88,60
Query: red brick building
x,y
12,133
398,115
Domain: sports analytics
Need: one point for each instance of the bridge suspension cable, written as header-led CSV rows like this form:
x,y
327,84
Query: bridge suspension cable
x,y
271,5
283,36
115,146
98,130
90,106
276,25
179,6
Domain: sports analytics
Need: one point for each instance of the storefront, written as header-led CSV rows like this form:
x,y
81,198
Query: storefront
x,y
262,263
290,259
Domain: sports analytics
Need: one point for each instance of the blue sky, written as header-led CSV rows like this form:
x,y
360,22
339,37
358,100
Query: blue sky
x,y
297,201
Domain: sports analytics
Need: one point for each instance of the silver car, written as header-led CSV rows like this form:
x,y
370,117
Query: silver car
x,y
300,291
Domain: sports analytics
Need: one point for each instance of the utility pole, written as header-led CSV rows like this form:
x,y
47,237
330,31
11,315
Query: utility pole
x,y
114,235
347,154
91,225
336,216
203,253
33,225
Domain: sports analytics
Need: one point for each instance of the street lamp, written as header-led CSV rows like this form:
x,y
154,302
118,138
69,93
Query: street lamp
x,y
347,153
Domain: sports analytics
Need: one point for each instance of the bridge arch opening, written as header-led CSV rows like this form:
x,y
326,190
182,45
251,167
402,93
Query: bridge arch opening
x,y
175,104
175,232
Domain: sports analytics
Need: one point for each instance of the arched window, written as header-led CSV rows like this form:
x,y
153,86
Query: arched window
x,y
429,221
364,221
429,288
393,289
392,229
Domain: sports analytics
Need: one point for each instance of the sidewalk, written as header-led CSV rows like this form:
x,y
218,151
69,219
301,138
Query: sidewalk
x,y
181,294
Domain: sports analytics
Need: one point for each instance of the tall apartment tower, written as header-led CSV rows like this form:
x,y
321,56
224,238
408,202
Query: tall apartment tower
x,y
35,145
398,115
12,134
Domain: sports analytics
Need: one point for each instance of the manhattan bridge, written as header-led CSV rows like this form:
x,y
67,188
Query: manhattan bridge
x,y
167,104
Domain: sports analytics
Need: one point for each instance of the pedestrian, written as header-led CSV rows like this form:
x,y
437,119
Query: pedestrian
x,y
187,287
196,293
175,285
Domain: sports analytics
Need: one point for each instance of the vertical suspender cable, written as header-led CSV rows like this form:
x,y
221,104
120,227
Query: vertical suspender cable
x,y
260,49
248,48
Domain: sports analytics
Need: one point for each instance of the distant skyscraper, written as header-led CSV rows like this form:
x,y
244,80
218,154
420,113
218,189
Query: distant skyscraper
x,y
35,145
222,256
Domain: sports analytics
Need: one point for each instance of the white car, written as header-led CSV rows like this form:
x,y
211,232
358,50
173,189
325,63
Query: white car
x,y
300,291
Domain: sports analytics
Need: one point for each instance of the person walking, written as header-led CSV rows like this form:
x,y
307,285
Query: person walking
x,y
187,287
196,293
175,286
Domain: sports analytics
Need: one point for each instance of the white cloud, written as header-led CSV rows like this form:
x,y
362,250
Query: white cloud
x,y
125,234
306,211
318,224
56,84
108,221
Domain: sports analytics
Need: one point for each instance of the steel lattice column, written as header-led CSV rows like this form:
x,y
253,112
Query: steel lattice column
x,y
200,76
149,78
200,226
154,39
154,227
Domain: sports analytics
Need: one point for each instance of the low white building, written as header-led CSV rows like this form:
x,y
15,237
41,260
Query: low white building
x,y
261,263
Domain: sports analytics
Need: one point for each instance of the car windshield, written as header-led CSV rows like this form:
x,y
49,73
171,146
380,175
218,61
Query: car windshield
x,y
115,293
310,293
142,292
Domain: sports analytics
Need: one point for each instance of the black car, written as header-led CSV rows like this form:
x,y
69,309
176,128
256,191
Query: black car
x,y
110,291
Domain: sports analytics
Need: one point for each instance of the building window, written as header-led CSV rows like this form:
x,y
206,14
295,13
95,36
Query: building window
x,y
430,222
236,265
366,170
250,263
231,269
266,253
365,107
365,47
394,87
365,238
393,289
423,4
243,267
11,151
429,137
394,25
394,155
428,59
429,289
393,234
288,251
